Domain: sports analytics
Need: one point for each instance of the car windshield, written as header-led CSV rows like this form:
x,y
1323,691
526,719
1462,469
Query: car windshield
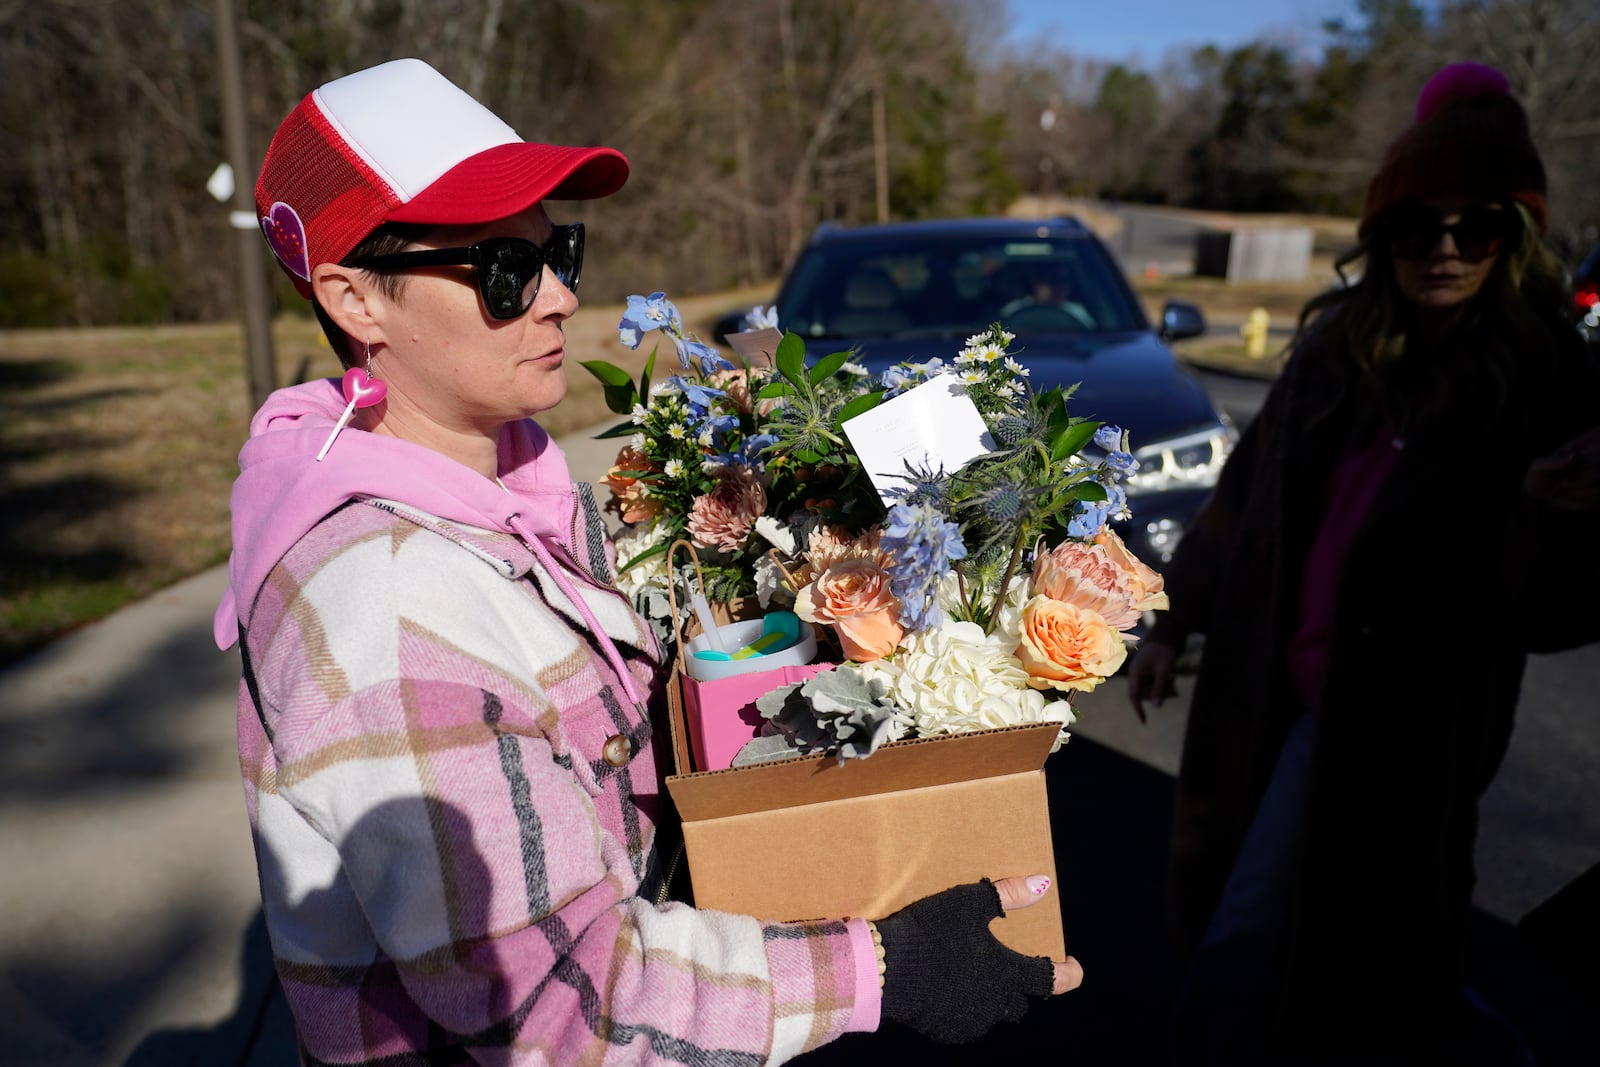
x,y
955,286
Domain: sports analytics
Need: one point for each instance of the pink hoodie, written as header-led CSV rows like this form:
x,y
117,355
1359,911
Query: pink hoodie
x,y
282,492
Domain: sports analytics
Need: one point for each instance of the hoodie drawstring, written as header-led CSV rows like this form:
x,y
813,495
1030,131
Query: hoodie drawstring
x,y
612,654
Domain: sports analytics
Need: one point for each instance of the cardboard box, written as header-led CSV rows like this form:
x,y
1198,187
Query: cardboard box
x,y
807,838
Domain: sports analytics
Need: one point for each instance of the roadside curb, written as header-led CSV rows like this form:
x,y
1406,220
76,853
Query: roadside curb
x,y
1265,370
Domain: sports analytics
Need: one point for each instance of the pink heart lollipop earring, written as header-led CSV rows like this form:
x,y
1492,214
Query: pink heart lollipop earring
x,y
362,391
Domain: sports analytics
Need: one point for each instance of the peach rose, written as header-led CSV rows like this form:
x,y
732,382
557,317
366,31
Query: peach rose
x,y
1146,588
724,517
1067,647
735,383
830,544
853,597
1084,576
742,386
630,497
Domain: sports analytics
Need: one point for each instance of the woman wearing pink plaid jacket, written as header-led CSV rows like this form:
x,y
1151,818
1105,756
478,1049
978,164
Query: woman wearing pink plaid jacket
x,y
443,720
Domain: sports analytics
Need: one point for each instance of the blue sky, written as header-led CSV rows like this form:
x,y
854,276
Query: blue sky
x,y
1142,30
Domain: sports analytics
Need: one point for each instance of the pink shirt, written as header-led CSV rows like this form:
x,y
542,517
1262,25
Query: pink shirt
x,y
1357,477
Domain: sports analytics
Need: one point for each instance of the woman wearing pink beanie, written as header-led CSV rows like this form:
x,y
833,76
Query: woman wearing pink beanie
x,y
1413,511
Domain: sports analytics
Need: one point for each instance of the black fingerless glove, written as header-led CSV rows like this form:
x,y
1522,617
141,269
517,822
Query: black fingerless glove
x,y
946,975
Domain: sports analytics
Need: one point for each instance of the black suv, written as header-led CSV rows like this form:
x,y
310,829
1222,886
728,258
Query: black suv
x,y
914,291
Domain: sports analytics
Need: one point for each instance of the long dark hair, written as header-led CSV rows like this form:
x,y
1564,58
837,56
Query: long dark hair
x,y
1366,329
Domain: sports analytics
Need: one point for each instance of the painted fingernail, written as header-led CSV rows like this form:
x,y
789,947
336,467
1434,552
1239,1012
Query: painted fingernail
x,y
1037,884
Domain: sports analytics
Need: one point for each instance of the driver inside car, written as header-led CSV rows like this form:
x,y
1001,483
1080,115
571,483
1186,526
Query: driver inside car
x,y
1044,288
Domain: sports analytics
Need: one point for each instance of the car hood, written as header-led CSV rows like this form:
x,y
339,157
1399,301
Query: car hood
x,y
1128,379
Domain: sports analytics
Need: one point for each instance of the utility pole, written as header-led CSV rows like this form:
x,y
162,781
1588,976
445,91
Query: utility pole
x,y
880,149
254,294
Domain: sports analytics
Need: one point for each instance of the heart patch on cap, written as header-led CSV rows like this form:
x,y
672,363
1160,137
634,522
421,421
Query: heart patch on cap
x,y
287,238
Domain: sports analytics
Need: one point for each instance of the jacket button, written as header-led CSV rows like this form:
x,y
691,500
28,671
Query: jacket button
x,y
617,751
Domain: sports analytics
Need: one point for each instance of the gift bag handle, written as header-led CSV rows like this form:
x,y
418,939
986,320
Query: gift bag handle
x,y
678,623
672,586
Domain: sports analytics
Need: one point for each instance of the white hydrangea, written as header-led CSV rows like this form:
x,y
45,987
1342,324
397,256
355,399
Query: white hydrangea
x,y
956,678
634,541
770,583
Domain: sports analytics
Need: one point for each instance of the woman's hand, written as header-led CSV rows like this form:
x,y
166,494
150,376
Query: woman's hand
x,y
1150,675
948,977
1017,893
1569,477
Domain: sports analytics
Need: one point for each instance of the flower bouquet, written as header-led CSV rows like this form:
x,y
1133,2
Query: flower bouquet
x,y
957,593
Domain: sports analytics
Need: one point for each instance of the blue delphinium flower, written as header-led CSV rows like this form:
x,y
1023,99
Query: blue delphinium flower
x,y
761,318
1117,502
921,545
896,380
1088,517
698,397
709,358
755,444
1113,440
1108,438
646,313
903,376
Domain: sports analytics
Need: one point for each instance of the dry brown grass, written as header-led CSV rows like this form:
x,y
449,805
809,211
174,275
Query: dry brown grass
x,y
118,448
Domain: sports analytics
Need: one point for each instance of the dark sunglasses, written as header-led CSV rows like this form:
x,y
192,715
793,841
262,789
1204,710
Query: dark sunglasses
x,y
1416,233
509,269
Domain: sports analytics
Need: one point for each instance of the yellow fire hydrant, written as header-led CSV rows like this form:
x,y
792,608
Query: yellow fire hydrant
x,y
1254,332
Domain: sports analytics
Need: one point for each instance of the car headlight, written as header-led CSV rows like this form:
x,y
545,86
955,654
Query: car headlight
x,y
1191,461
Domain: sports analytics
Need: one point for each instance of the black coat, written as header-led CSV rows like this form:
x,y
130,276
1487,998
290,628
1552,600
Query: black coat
x,y
1453,576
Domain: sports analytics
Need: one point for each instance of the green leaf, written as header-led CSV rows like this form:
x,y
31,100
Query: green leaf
x,y
826,366
649,553
644,376
1089,490
773,390
791,359
619,392
621,429
621,398
609,373
805,455
865,402
1072,439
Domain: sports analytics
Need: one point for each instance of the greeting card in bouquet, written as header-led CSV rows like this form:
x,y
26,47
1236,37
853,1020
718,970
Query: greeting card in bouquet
x,y
934,427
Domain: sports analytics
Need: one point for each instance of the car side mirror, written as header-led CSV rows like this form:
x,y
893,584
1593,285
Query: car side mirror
x,y
1181,319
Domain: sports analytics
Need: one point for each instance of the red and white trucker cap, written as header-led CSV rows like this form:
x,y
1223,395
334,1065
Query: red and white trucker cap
x,y
399,142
